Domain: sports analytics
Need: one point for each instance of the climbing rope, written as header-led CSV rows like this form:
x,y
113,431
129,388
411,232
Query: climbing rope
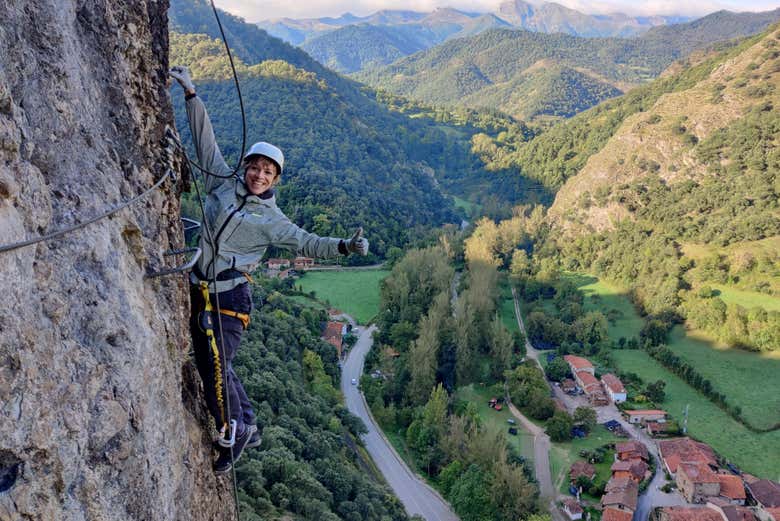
x,y
69,229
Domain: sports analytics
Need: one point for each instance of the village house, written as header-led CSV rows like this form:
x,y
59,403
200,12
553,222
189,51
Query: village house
x,y
614,388
678,450
697,482
731,489
633,470
568,386
334,334
572,509
592,388
613,514
631,451
645,415
577,363
656,429
303,263
730,512
685,514
764,495
623,497
581,468
278,264
283,274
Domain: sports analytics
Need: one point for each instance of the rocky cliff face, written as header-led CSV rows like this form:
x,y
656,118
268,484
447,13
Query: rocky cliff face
x,y
100,418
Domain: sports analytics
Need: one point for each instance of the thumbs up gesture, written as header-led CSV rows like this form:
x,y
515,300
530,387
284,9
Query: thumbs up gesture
x,y
358,244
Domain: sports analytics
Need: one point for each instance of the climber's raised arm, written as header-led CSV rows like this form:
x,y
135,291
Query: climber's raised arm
x,y
209,156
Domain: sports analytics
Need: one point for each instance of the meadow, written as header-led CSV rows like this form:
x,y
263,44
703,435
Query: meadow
x,y
604,297
754,453
355,292
746,299
749,380
562,455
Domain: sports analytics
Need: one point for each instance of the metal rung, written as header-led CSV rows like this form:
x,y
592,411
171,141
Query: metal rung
x,y
190,263
190,224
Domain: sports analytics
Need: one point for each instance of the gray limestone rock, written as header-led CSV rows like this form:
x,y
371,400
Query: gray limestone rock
x,y
100,414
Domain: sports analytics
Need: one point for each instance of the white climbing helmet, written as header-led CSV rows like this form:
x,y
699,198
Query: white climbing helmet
x,y
268,150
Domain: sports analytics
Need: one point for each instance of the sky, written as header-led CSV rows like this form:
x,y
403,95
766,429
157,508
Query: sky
x,y
257,10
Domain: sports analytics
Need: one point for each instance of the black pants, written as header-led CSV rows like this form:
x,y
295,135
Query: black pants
x,y
239,299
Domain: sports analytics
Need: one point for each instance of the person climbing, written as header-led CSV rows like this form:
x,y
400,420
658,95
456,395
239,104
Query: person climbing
x,y
243,217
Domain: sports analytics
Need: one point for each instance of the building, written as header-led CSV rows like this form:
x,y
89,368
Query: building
x,y
303,263
581,468
678,450
614,388
697,482
731,489
283,274
572,509
591,386
645,415
685,514
622,498
764,493
656,429
334,334
278,264
568,386
732,512
631,451
633,470
577,363
613,514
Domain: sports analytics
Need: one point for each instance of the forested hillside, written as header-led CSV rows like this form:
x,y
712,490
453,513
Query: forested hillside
x,y
491,69
672,190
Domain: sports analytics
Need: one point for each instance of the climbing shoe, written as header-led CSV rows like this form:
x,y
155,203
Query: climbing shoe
x,y
226,459
254,440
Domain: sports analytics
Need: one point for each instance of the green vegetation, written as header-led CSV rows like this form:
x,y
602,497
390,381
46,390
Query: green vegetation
x,y
746,299
562,455
754,453
493,420
355,292
310,464
749,380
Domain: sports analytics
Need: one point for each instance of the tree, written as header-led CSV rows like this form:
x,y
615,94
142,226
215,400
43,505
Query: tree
x,y
655,391
501,346
557,369
586,417
560,425
424,350
520,267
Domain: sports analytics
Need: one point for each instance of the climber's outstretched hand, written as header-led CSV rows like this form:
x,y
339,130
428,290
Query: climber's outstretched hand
x,y
358,244
182,75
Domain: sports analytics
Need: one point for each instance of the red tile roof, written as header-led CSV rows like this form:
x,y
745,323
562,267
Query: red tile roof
x,y
572,506
613,514
691,514
698,472
617,484
332,334
731,486
629,449
766,492
738,513
613,383
581,468
621,465
588,380
577,362
626,497
678,450
774,512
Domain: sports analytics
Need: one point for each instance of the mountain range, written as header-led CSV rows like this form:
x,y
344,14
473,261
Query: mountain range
x,y
530,74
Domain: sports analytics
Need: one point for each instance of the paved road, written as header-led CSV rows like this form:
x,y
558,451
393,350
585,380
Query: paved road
x,y
416,496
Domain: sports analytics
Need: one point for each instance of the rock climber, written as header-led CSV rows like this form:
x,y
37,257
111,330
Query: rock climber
x,y
241,211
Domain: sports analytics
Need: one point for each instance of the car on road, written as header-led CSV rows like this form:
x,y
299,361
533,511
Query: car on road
x,y
354,381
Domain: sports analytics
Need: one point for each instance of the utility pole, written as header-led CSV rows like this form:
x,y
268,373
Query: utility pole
x,y
685,418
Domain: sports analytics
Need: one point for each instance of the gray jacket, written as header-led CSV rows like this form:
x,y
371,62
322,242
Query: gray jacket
x,y
243,224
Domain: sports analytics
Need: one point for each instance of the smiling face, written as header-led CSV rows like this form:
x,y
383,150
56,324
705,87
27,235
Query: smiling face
x,y
260,175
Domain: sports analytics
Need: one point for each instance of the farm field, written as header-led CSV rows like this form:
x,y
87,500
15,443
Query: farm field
x,y
749,380
754,453
497,420
746,299
602,296
562,455
353,291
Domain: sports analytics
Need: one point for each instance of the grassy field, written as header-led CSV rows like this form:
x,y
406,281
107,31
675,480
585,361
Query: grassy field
x,y
602,296
750,380
562,455
468,206
507,309
746,299
308,302
497,420
354,292
754,453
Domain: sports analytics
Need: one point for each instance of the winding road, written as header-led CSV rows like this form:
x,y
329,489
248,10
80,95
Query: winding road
x,y
416,496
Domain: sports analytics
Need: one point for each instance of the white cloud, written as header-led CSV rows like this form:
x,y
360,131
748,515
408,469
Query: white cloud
x,y
256,10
